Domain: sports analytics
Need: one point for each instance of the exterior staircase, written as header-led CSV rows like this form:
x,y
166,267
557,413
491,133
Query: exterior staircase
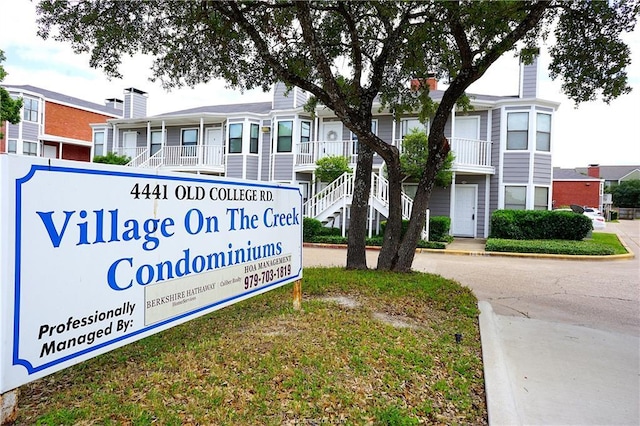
x,y
332,203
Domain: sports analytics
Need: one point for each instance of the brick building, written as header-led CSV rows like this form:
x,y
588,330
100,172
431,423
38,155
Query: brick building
x,y
54,125
571,187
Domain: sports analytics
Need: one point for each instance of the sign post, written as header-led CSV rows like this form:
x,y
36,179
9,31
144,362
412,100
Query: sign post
x,y
96,256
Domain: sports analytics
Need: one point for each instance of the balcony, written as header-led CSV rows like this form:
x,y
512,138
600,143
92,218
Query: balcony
x,y
471,155
193,157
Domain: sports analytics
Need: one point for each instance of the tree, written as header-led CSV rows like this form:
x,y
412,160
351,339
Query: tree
x,y
414,155
346,54
627,194
9,107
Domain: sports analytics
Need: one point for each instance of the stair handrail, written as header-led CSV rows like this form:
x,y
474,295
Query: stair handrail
x,y
335,191
343,187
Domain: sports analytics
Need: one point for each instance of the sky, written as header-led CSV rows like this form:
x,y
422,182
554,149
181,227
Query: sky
x,y
592,133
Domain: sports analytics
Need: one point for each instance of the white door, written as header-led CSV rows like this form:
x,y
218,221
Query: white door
x,y
332,139
214,145
129,142
465,214
465,145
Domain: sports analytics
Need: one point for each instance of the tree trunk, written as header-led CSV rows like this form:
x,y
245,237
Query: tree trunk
x,y
356,249
392,234
438,151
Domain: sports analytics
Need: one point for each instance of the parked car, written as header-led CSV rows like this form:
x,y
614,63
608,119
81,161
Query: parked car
x,y
594,214
592,210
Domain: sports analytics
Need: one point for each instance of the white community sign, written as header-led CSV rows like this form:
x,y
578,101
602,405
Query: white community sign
x,y
95,256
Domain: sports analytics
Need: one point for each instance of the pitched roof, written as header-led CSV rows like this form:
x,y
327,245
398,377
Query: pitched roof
x,y
253,107
569,174
611,172
66,99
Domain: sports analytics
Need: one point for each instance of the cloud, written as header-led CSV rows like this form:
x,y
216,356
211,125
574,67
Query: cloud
x,y
592,133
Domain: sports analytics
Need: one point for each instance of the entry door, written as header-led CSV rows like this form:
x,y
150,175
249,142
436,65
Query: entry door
x,y
129,142
332,139
213,150
465,214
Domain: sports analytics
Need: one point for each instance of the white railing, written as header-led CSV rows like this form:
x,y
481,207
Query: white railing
x,y
194,155
471,152
134,154
334,192
342,188
468,152
307,153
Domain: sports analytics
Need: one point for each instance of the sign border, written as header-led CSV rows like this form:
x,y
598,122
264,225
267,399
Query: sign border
x,y
18,256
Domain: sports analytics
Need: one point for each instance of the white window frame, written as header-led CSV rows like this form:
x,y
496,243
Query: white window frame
x,y
95,144
524,187
548,133
187,150
30,111
526,131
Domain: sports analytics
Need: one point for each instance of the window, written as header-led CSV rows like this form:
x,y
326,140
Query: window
x,y
305,131
235,138
189,142
541,198
30,109
515,197
30,148
12,146
543,132
517,130
156,141
285,136
253,138
98,143
409,124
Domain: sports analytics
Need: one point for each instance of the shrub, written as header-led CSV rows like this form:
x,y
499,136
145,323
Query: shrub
x,y
310,229
405,225
549,247
539,225
439,228
331,168
330,231
111,158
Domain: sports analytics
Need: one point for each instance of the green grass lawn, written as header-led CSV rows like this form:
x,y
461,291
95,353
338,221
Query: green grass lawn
x,y
601,244
368,348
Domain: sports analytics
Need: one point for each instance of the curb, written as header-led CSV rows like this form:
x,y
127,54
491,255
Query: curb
x,y
501,403
627,256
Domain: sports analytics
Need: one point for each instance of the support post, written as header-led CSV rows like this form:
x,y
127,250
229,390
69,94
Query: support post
x,y
297,295
9,407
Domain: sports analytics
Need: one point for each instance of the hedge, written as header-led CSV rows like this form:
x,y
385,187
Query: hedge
x,y
438,228
539,225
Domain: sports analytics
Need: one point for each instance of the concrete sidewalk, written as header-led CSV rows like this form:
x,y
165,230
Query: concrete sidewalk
x,y
552,373
549,373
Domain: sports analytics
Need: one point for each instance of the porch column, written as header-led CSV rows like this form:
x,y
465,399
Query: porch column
x,y
200,141
452,202
148,136
116,141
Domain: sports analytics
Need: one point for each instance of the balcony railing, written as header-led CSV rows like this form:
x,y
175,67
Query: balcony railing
x,y
182,156
469,153
307,153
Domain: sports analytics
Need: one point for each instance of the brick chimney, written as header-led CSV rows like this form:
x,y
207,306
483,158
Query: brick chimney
x,y
594,171
431,82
